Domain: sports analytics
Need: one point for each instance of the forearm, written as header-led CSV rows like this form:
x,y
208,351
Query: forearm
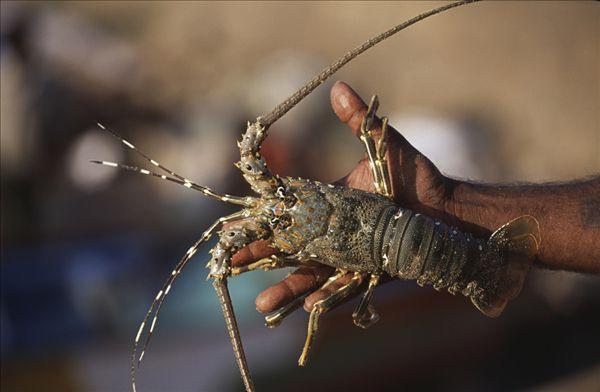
x,y
569,217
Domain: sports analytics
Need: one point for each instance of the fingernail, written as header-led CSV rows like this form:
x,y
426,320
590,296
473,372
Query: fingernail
x,y
261,304
342,100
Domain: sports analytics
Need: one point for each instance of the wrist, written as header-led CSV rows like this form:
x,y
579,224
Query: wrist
x,y
566,212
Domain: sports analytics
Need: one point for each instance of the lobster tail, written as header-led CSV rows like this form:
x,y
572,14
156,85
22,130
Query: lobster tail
x,y
509,253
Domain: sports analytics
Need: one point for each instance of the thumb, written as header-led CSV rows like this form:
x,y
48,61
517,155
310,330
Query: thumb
x,y
348,106
351,109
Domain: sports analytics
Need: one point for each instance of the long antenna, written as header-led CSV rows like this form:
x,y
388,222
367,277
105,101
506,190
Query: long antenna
x,y
220,286
281,109
242,201
173,177
164,291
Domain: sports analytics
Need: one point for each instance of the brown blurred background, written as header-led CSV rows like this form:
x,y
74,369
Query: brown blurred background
x,y
494,92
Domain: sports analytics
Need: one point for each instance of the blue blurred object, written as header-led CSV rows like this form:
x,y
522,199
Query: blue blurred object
x,y
43,288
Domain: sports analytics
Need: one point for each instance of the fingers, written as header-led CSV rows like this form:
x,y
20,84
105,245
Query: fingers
x,y
297,283
253,252
327,291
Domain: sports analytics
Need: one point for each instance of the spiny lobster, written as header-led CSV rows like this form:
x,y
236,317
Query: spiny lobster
x,y
351,230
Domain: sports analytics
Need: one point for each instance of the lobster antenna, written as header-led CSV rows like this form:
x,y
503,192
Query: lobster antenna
x,y
281,109
182,180
220,286
157,303
166,288
243,201
146,157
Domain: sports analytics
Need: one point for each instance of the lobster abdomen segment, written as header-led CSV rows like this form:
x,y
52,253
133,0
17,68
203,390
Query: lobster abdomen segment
x,y
409,245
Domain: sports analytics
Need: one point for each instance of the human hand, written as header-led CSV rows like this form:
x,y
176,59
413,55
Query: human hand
x,y
416,184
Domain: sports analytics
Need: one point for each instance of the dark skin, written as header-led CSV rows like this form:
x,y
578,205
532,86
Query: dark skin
x,y
569,214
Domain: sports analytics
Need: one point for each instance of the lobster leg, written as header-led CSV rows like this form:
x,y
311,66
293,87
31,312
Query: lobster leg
x,y
266,264
276,317
323,306
376,149
365,315
381,162
270,263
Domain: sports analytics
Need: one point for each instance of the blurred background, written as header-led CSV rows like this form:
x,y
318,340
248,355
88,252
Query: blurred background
x,y
494,92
